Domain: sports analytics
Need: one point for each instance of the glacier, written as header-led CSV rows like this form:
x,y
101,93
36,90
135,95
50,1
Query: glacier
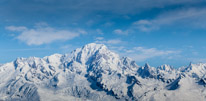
x,y
95,73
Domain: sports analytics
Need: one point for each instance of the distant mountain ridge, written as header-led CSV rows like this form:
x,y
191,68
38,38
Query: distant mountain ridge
x,y
93,72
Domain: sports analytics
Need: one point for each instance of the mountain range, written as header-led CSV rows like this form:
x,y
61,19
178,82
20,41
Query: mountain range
x,y
95,73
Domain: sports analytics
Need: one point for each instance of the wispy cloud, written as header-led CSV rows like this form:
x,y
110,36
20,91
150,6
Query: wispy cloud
x,y
197,60
121,32
193,17
26,49
114,41
144,25
15,28
80,9
140,54
108,5
108,24
99,31
43,34
101,40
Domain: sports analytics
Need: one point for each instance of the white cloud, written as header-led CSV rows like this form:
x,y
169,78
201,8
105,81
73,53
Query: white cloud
x,y
99,31
116,6
197,60
99,38
43,34
194,18
26,49
108,24
14,28
141,54
114,41
109,42
90,22
120,32
144,25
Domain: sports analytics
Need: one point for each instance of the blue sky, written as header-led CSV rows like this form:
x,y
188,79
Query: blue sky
x,y
155,31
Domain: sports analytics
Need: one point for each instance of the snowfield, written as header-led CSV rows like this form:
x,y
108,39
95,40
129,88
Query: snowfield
x,y
95,73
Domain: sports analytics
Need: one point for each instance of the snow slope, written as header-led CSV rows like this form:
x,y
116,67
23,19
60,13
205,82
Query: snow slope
x,y
93,72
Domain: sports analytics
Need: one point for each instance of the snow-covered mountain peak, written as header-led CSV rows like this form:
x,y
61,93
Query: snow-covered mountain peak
x,y
193,67
94,52
147,71
129,65
54,59
91,48
20,62
128,61
93,72
166,68
196,70
94,46
147,65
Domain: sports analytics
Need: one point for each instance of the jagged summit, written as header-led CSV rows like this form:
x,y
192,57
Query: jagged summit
x,y
93,72
91,51
94,46
91,48
165,68
147,65
196,70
